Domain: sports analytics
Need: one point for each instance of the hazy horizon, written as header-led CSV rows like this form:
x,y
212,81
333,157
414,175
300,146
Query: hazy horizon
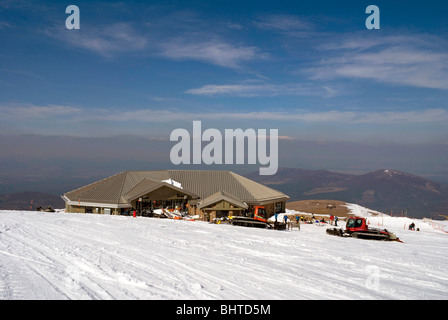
x,y
39,159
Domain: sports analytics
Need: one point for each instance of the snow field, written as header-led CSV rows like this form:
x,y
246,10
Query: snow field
x,y
88,256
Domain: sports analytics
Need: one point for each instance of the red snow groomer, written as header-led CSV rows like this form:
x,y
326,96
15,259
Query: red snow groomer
x,y
357,228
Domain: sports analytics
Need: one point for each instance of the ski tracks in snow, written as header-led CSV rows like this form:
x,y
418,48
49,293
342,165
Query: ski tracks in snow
x,y
79,256
56,261
78,259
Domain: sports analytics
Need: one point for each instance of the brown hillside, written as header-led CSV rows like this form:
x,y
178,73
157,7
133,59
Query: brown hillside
x,y
320,207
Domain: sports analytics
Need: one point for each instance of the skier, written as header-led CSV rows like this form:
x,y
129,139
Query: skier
x,y
336,221
298,222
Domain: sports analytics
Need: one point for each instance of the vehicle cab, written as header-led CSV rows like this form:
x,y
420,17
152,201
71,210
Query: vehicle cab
x,y
260,214
355,224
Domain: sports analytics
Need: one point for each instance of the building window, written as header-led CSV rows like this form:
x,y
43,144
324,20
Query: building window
x,y
278,207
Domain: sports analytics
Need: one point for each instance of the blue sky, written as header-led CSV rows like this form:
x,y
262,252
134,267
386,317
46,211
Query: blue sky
x,y
308,68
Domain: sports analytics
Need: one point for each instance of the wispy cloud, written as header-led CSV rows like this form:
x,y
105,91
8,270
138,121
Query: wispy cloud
x,y
283,23
119,38
10,4
5,25
400,60
70,113
262,89
217,52
389,117
332,116
30,112
106,41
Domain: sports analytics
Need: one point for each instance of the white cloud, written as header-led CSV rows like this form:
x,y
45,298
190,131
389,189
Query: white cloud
x,y
409,61
262,89
106,41
111,40
216,52
332,116
74,114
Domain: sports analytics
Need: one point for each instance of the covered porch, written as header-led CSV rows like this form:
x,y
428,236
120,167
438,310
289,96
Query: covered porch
x,y
221,204
150,195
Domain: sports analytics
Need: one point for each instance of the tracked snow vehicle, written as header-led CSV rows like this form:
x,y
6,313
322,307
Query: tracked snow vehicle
x,y
257,220
357,228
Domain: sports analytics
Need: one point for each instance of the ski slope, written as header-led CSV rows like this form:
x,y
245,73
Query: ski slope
x,y
87,256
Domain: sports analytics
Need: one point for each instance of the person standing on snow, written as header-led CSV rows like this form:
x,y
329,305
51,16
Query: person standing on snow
x,y
298,222
285,217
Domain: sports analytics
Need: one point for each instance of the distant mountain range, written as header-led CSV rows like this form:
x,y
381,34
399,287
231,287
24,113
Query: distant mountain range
x,y
388,191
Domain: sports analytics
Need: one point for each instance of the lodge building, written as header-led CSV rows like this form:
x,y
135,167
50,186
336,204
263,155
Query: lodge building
x,y
207,193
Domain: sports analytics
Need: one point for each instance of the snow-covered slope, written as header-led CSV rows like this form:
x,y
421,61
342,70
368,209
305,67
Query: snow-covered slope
x,y
86,256
360,211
